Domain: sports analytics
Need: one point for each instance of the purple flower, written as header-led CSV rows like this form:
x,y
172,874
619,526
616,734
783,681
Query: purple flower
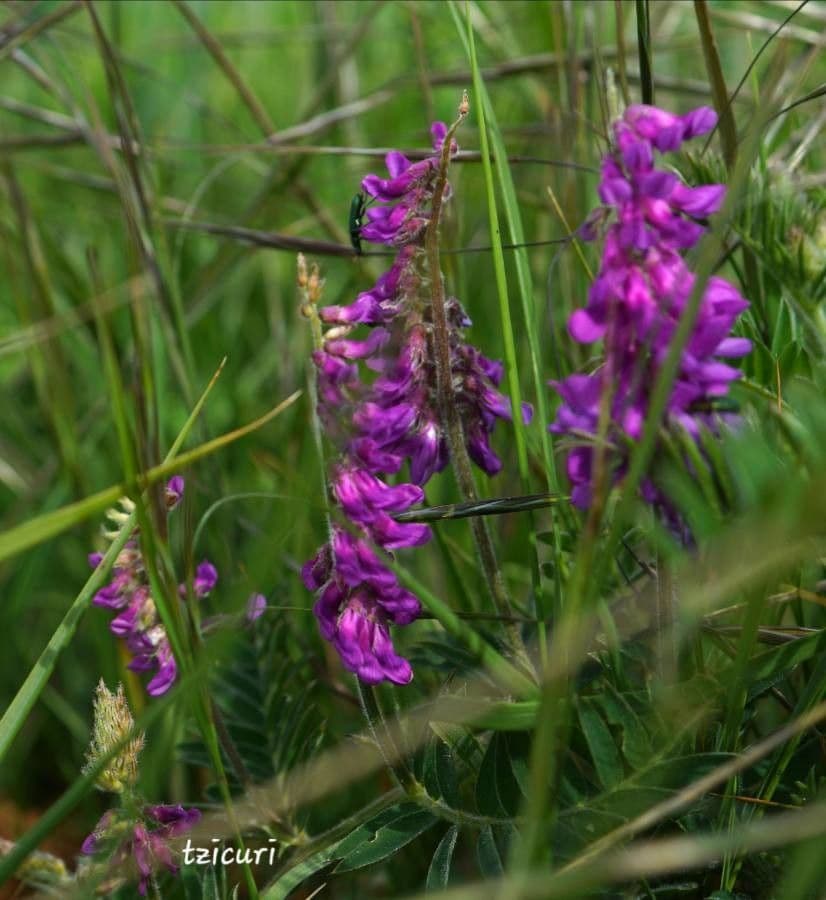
x,y
367,500
167,670
172,820
174,491
256,607
358,598
206,577
137,621
638,296
147,840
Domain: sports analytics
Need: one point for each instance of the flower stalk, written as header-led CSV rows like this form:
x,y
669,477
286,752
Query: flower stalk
x,y
460,459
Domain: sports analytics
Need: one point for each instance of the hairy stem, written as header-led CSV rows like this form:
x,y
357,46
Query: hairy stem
x,y
444,387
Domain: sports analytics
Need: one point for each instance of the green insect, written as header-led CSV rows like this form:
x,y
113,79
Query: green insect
x,y
357,207
715,405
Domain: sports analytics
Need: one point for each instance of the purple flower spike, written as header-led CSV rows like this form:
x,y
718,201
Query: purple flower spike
x,y
136,620
390,423
638,296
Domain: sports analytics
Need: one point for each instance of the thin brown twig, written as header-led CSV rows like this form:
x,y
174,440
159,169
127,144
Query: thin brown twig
x,y
215,50
17,37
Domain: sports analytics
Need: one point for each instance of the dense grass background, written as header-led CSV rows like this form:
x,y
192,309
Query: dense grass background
x,y
125,128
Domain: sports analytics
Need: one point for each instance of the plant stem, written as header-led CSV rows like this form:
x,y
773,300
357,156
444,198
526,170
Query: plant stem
x,y
444,387
667,644
644,50
383,737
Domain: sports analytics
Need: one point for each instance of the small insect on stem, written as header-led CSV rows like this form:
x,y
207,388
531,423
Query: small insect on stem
x,y
357,207
715,405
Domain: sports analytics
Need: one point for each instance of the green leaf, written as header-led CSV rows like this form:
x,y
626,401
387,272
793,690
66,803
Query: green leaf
x,y
681,770
782,334
440,773
487,854
497,790
285,884
209,885
601,744
365,832
387,839
438,874
271,722
519,755
766,665
618,711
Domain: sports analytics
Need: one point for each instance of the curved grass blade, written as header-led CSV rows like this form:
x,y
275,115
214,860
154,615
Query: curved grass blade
x,y
41,528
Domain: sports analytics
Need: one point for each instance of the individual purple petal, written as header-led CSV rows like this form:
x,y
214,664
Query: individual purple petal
x,y
480,451
584,329
316,571
699,121
167,672
734,346
351,349
699,201
256,607
89,845
392,535
174,491
438,131
206,577
175,820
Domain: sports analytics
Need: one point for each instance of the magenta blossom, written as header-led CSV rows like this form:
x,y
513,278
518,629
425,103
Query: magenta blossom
x,y
358,599
389,423
146,841
636,301
137,621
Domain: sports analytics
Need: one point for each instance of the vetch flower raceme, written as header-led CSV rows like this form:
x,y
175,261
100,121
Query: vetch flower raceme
x,y
137,621
390,420
639,295
144,842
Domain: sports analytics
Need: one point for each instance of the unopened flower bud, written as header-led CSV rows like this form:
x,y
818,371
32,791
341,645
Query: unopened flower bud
x,y
113,722
39,870
302,278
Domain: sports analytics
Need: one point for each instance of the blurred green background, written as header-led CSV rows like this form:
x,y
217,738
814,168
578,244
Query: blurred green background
x,y
266,115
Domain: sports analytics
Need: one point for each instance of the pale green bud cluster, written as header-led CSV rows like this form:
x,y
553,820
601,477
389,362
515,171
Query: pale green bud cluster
x,y
113,722
39,870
